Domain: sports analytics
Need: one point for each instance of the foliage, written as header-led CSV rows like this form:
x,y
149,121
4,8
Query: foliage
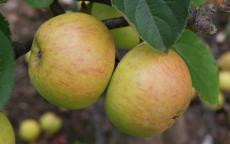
x,y
202,65
7,69
160,23
4,26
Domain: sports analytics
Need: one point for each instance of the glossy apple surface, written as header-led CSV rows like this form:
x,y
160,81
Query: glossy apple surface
x,y
148,91
72,60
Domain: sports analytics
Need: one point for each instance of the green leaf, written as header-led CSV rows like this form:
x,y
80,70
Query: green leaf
x,y
39,3
202,66
4,26
159,22
7,69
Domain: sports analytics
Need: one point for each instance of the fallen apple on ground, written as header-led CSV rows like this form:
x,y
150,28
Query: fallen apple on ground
x,y
148,91
224,80
50,122
29,130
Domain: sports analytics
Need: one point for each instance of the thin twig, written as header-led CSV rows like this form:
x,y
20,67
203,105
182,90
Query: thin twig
x,y
115,22
21,49
194,22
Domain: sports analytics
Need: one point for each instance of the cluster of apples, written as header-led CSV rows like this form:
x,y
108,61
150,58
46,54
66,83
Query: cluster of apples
x,y
224,75
72,63
30,129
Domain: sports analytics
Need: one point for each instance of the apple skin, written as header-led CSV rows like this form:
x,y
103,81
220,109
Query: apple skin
x,y
103,11
72,59
148,91
125,37
6,131
29,130
224,61
50,122
224,80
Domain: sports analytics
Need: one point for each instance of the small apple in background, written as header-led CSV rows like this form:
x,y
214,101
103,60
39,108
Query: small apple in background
x,y
224,61
6,131
224,80
29,130
148,91
72,59
50,123
125,37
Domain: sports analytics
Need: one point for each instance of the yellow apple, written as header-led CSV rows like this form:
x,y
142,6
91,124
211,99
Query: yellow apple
x,y
224,80
148,91
224,61
125,37
6,131
50,122
29,130
72,60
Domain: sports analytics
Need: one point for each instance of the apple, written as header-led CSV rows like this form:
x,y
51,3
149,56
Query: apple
x,y
103,11
6,131
148,91
72,60
29,130
224,61
224,80
125,37
50,122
